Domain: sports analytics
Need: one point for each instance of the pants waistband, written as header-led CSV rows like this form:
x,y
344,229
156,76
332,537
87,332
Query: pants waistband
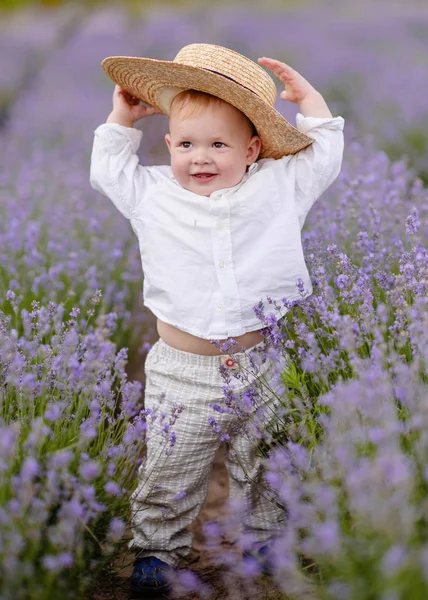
x,y
201,360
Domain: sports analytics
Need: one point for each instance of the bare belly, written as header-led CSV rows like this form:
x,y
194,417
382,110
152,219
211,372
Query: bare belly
x,y
190,343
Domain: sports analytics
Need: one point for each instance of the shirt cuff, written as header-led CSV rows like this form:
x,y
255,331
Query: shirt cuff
x,y
113,136
305,124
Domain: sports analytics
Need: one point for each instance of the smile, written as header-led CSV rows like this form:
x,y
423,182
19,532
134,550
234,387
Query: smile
x,y
204,177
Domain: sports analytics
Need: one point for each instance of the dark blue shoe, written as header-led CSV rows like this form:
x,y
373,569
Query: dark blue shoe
x,y
263,558
149,577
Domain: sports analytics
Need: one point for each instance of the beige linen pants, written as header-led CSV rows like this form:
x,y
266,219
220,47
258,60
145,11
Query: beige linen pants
x,y
174,477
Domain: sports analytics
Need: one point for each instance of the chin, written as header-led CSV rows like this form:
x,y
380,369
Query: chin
x,y
203,190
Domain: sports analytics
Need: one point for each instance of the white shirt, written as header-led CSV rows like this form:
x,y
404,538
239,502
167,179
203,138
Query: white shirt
x,y
207,261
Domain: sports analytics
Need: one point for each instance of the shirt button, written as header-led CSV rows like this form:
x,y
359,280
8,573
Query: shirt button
x,y
219,305
220,225
221,265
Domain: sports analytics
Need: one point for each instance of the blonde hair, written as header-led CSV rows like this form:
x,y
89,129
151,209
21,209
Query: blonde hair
x,y
191,102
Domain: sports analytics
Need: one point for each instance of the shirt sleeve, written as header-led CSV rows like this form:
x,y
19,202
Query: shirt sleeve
x,y
318,165
115,170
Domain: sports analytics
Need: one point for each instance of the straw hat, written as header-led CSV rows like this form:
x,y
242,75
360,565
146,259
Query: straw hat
x,y
217,71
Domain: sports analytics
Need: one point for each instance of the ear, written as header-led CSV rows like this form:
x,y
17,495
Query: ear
x,y
253,150
168,141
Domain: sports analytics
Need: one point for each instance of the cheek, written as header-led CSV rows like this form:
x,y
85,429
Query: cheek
x,y
234,164
179,166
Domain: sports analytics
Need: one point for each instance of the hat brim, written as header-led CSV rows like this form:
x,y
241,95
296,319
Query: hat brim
x,y
147,78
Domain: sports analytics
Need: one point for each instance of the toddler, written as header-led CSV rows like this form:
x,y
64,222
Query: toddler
x,y
218,230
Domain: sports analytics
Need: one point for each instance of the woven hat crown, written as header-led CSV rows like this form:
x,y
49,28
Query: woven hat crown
x,y
231,65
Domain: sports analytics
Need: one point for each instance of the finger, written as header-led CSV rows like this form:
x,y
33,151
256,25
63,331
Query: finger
x,y
272,62
283,72
280,69
144,111
131,100
122,96
152,110
266,59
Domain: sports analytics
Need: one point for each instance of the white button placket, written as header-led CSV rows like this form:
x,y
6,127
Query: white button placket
x,y
222,251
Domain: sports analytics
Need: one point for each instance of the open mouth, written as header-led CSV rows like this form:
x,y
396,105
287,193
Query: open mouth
x,y
204,177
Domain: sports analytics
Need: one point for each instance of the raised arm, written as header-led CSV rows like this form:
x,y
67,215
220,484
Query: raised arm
x,y
316,167
115,170
297,89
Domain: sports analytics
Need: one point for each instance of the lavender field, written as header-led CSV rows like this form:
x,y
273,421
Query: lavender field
x,y
347,455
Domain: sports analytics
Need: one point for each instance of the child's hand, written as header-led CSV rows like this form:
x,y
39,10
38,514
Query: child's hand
x,y
129,107
296,86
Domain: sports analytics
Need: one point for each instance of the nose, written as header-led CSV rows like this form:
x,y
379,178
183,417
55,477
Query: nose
x,y
201,157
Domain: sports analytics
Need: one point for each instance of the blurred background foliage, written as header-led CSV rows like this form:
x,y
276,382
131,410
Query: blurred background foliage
x,y
11,5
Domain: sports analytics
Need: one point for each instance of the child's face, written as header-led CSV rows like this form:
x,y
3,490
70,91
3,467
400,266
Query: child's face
x,y
211,150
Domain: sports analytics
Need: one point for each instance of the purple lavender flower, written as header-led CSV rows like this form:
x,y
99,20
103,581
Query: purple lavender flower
x,y
90,470
412,222
116,530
